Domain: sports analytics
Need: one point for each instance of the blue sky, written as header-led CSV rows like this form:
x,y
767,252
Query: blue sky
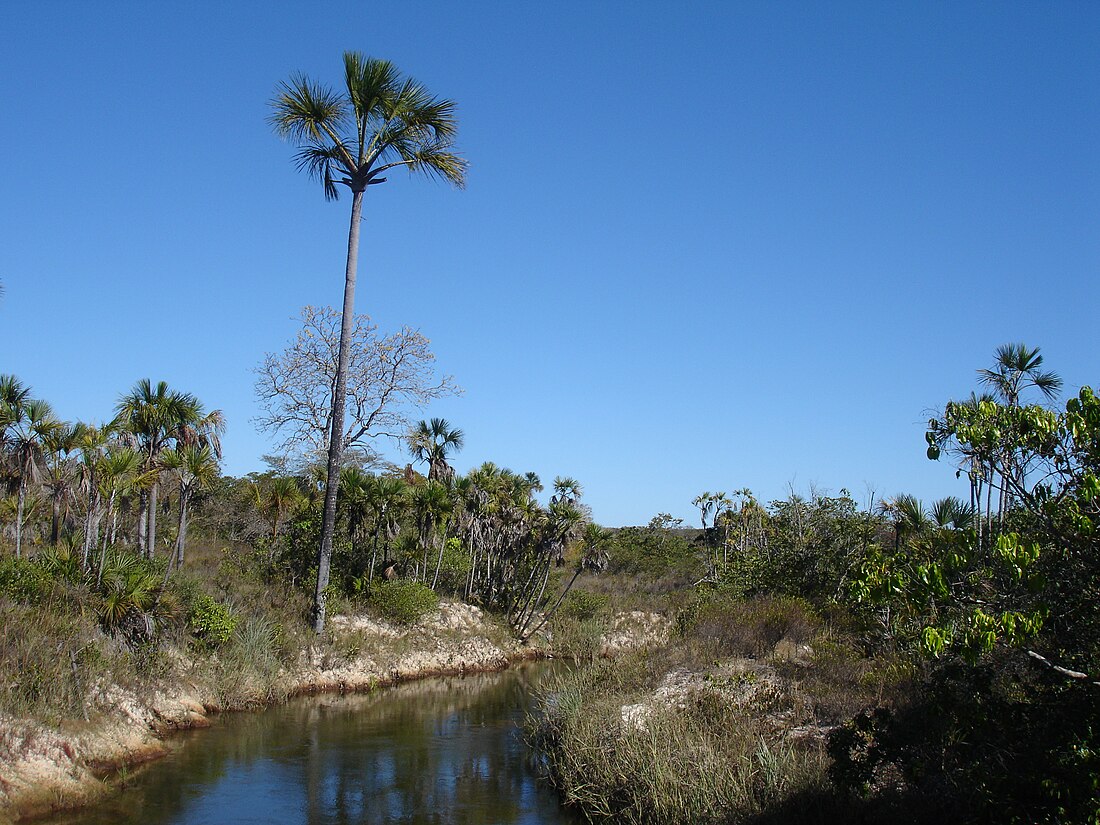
x,y
704,246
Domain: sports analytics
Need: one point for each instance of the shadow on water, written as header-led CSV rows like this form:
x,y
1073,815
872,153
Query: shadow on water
x,y
447,750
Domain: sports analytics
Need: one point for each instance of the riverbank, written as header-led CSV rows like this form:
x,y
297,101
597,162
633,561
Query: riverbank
x,y
729,722
46,768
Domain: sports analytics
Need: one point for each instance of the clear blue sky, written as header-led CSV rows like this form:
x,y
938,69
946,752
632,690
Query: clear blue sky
x,y
704,245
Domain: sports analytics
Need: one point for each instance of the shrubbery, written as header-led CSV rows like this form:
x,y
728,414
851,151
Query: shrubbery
x,y
211,622
23,580
403,601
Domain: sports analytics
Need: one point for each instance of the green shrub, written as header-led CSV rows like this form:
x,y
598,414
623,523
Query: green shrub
x,y
212,623
23,580
583,605
454,566
403,601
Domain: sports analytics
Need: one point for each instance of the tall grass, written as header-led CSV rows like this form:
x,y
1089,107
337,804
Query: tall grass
x,y
707,762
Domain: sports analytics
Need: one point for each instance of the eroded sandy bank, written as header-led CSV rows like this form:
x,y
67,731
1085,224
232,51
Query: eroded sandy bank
x,y
47,768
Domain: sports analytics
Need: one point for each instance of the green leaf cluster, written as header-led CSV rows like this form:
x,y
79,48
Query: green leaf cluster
x,y
212,623
403,601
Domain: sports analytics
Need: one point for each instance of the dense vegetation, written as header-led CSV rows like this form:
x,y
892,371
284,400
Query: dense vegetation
x,y
861,662
950,664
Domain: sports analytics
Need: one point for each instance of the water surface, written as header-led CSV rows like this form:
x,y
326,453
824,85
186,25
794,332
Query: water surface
x,y
445,750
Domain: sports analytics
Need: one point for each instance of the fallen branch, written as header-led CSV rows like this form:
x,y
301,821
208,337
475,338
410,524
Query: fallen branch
x,y
1072,674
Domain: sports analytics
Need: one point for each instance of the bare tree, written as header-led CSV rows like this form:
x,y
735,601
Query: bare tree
x,y
388,378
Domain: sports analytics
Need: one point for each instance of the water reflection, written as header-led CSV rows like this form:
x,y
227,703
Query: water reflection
x,y
438,751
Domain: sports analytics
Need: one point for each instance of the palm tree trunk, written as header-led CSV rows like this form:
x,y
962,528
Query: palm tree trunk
x,y
55,522
108,535
152,537
439,561
181,534
550,613
19,518
336,433
142,520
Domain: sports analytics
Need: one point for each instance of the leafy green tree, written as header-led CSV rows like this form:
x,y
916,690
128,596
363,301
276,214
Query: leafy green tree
x,y
351,138
1008,720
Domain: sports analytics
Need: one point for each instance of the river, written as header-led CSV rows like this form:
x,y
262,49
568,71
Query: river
x,y
439,751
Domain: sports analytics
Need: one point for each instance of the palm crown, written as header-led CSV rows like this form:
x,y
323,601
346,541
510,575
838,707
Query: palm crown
x,y
382,121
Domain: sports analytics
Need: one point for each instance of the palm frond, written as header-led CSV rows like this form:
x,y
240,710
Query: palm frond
x,y
306,111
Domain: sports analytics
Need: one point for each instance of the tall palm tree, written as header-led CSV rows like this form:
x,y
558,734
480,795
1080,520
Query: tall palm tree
x,y
431,507
58,445
32,423
434,442
155,418
195,467
351,138
1017,368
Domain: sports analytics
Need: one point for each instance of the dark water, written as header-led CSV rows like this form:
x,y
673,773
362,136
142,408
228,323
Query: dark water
x,y
443,750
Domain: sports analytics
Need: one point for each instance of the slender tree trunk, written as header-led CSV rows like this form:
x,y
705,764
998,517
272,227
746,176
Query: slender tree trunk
x,y
439,561
550,614
142,519
374,549
336,432
108,535
152,537
19,518
55,522
181,535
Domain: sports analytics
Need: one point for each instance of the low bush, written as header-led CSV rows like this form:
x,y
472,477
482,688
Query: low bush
x,y
23,580
403,601
583,605
753,627
211,622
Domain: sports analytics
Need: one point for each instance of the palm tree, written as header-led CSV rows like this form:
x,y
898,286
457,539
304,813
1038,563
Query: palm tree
x,y
387,495
31,423
351,138
274,499
431,506
119,474
433,443
58,445
94,443
196,467
155,417
1015,369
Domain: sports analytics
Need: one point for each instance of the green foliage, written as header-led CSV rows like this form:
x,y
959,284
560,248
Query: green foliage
x,y
130,588
582,605
654,553
211,622
403,601
957,597
23,580
454,567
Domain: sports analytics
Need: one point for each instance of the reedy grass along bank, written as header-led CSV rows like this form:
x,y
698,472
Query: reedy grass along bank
x,y
725,724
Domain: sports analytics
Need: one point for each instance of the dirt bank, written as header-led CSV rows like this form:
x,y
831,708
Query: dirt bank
x,y
48,768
